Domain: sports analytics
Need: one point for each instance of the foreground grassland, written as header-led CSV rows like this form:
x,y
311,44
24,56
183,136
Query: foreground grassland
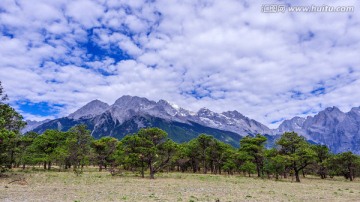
x,y
101,186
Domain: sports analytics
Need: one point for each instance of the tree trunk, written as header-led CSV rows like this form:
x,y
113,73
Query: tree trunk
x,y
350,173
204,166
212,167
49,165
152,172
258,170
142,170
297,176
152,175
23,166
350,176
194,168
44,165
12,159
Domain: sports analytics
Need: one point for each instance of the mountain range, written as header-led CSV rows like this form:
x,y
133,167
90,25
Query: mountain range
x,y
338,130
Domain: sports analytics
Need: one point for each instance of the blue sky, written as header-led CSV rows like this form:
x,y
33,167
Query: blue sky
x,y
56,56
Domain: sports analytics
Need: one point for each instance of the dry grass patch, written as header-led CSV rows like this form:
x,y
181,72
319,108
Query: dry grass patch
x,y
101,186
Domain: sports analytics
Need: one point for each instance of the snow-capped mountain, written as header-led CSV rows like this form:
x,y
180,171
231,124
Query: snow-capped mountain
x,y
126,107
231,121
338,130
130,113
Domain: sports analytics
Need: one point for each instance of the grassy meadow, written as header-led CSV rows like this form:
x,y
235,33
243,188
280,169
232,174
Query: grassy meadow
x,y
101,186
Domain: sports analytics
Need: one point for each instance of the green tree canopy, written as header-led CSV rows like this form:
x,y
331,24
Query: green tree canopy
x,y
297,151
49,147
149,146
78,143
10,126
255,147
105,149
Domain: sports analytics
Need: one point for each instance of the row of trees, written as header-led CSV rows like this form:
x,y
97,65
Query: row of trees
x,y
151,150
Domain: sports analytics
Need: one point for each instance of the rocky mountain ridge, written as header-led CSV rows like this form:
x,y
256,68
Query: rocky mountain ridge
x,y
338,130
332,127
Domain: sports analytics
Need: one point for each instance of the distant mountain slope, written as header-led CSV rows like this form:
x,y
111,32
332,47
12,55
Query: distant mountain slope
x,y
31,125
105,126
338,130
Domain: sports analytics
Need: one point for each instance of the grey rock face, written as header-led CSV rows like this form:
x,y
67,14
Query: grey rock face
x,y
293,124
338,130
90,110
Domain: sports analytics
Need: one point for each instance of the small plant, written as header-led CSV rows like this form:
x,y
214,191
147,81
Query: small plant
x,y
193,199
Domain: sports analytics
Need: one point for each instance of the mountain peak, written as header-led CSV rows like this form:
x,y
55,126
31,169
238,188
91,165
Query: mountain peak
x,y
234,114
354,112
355,109
163,103
91,109
127,100
332,109
294,124
205,112
97,102
204,109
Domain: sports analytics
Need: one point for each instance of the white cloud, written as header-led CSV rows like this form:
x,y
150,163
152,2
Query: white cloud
x,y
223,55
86,13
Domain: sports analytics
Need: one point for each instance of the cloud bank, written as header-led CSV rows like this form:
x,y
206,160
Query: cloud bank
x,y
56,56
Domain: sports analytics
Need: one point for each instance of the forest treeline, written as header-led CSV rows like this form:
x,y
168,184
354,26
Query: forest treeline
x,y
150,151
